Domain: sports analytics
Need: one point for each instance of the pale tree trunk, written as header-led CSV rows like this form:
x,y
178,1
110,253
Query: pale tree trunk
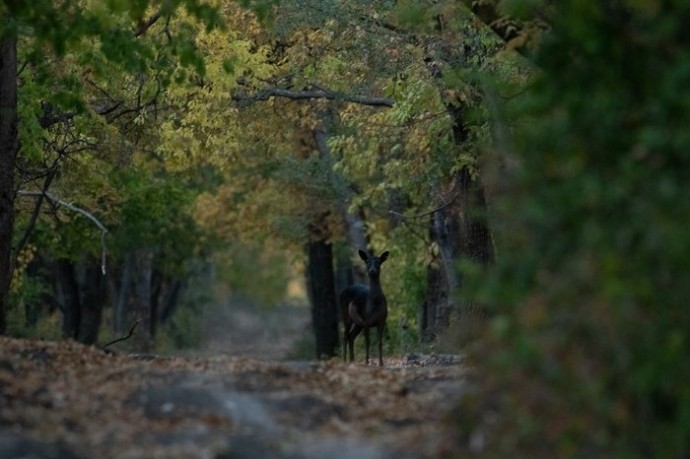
x,y
9,145
357,239
355,225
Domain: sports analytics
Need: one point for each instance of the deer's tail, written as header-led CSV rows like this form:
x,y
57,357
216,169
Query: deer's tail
x,y
354,315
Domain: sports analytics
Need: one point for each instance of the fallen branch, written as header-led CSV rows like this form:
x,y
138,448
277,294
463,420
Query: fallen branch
x,y
72,207
127,336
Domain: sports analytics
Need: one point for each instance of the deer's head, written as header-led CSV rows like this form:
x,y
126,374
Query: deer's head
x,y
373,263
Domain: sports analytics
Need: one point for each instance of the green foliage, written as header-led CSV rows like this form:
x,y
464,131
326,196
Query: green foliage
x,y
590,338
186,327
184,331
404,281
48,327
156,211
24,318
89,89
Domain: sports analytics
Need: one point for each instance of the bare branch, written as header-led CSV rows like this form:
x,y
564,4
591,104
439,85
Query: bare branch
x,y
315,93
72,207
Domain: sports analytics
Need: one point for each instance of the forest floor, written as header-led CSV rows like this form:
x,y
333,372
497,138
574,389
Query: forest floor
x,y
61,400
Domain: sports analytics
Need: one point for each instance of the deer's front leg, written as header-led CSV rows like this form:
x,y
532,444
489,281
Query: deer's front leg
x,y
346,332
366,343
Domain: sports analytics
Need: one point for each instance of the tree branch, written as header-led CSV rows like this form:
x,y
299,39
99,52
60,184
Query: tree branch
x,y
432,211
143,26
34,215
72,207
314,93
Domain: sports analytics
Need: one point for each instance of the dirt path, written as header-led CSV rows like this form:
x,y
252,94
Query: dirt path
x,y
64,400
240,329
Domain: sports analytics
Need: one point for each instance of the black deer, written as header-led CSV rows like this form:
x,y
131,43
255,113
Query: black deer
x,y
363,307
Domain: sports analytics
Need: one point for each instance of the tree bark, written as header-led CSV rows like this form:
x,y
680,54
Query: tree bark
x,y
120,307
69,291
321,287
459,229
460,232
475,240
92,300
435,311
343,267
158,282
143,269
9,145
355,226
172,298
41,271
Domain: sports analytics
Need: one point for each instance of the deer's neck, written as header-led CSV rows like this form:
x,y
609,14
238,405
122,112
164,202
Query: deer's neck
x,y
375,290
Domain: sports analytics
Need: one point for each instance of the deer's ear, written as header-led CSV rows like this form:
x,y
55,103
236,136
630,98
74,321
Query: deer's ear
x,y
384,256
363,255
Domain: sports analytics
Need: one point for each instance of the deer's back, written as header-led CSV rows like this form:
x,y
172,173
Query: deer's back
x,y
356,293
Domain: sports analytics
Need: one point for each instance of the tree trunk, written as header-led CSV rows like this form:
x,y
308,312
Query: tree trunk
x,y
69,291
143,268
474,243
475,240
92,300
9,145
121,306
460,231
40,270
343,267
441,280
355,226
435,311
172,299
158,281
357,239
321,286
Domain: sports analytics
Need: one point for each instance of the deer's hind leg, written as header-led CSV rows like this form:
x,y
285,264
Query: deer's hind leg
x,y
351,335
379,334
366,343
346,331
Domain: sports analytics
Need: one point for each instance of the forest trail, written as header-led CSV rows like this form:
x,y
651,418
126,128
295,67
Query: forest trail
x,y
235,397
65,400
239,328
